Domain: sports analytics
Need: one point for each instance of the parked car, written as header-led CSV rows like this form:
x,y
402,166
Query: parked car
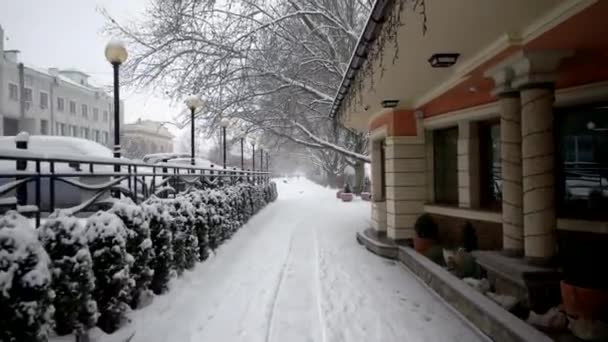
x,y
66,195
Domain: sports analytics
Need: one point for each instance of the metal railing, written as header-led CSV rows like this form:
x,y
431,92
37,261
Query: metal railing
x,y
34,183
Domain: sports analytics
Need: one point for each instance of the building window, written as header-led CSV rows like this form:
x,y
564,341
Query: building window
x,y
446,165
105,116
27,97
382,170
74,131
582,177
44,127
97,135
105,138
85,111
44,100
96,114
60,129
60,104
11,126
13,92
85,133
72,107
490,165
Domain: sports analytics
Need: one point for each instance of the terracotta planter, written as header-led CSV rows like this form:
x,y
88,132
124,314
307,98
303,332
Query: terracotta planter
x,y
346,197
366,196
422,245
585,303
339,194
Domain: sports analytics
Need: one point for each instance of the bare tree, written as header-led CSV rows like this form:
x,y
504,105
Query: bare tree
x,y
271,65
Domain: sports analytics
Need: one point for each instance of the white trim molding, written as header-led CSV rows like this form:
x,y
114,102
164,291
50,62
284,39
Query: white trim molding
x,y
478,113
588,93
470,214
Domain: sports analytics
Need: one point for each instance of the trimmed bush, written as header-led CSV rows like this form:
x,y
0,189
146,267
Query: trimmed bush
x,y
139,245
200,223
162,241
25,282
107,238
72,274
186,222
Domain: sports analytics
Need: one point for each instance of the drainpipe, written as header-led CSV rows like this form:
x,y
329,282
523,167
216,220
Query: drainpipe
x,y
21,92
52,107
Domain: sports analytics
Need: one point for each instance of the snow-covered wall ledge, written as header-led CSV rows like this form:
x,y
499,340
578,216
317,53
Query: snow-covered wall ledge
x,y
489,317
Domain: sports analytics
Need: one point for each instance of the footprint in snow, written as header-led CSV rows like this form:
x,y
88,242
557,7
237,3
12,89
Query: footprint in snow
x,y
403,299
427,318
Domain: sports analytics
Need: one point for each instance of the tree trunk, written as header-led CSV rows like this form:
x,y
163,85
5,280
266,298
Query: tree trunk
x,y
332,180
359,182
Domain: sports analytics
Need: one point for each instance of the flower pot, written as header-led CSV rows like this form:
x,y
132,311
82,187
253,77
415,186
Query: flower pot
x,y
584,302
422,245
346,197
366,196
339,194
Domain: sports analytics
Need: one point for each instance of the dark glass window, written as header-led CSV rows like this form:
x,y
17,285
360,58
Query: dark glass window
x,y
490,165
446,165
582,162
383,169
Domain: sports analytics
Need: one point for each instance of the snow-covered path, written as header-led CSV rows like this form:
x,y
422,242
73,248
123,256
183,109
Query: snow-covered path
x,y
296,273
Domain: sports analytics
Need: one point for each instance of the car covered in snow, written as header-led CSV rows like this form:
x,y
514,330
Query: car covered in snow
x,y
66,195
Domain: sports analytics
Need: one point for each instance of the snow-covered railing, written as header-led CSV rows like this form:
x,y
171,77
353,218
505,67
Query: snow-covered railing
x,y
52,181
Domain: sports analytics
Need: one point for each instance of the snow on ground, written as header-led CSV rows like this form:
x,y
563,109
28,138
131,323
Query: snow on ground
x,y
296,273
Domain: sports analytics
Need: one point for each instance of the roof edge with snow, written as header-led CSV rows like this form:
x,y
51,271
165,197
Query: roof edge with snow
x,y
370,33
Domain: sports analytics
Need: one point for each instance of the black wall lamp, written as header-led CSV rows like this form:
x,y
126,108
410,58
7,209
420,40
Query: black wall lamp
x,y
443,60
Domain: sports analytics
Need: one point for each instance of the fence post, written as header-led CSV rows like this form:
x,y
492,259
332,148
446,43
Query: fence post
x,y
21,142
211,179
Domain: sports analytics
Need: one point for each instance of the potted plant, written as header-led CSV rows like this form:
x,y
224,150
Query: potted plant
x,y
347,194
366,196
427,233
584,287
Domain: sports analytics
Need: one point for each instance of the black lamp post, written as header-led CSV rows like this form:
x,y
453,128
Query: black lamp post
x,y
116,54
193,102
242,156
253,156
224,123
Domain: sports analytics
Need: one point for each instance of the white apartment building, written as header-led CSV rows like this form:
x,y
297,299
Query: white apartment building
x,y
145,137
52,101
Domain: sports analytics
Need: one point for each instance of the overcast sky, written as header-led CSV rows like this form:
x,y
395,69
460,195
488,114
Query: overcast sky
x,y
68,34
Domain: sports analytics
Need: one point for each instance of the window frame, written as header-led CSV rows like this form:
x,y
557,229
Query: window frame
x,y
45,104
564,208
13,89
440,197
28,97
72,108
60,104
486,200
84,110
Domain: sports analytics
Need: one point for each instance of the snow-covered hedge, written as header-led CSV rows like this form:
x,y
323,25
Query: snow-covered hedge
x,y
70,276
72,272
25,282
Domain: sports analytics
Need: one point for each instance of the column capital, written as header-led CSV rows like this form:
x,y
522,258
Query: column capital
x,y
527,68
503,77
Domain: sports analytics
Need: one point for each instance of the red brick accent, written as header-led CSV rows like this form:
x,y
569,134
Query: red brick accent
x,y
398,123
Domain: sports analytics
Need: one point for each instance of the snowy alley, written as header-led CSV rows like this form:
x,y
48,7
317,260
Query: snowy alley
x,y
296,273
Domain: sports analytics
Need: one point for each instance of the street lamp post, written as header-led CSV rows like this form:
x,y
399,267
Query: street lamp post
x,y
116,54
253,156
193,102
242,156
224,123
